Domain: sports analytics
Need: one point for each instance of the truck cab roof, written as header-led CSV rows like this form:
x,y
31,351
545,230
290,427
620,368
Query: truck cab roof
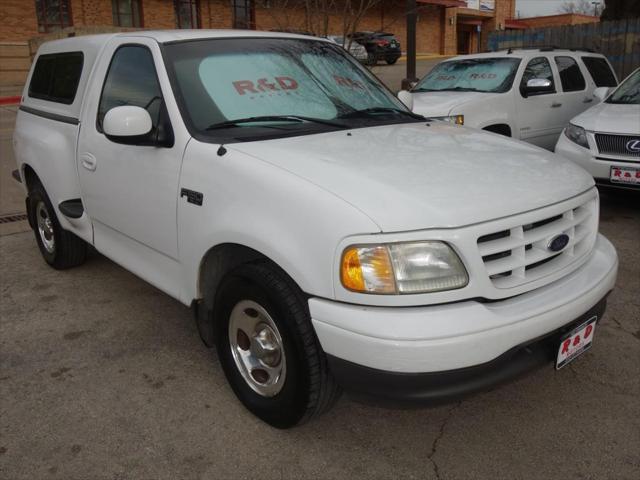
x,y
91,47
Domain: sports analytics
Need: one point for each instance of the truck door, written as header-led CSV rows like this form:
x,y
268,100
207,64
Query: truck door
x,y
577,94
540,116
129,190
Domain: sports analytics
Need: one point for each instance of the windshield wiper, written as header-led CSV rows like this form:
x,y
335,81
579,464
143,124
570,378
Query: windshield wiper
x,y
273,118
459,89
367,112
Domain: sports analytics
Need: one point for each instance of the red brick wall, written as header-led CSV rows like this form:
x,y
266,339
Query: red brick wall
x,y
435,32
18,20
158,14
91,12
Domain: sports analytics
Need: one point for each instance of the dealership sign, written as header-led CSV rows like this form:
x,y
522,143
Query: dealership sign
x,y
485,5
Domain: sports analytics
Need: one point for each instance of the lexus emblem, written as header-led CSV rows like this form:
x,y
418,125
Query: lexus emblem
x,y
633,146
557,243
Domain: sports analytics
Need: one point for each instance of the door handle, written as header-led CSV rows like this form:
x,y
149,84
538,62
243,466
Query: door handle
x,y
89,161
556,105
587,100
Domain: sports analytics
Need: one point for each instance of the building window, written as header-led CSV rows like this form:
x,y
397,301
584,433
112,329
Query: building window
x,y
187,13
53,15
243,14
127,13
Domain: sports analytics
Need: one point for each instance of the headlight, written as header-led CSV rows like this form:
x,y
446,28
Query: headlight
x,y
455,119
577,135
402,268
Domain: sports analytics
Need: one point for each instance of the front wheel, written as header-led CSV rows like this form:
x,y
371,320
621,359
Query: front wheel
x,y
268,349
392,61
59,248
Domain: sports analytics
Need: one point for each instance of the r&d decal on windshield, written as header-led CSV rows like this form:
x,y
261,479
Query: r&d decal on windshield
x,y
476,76
347,82
264,85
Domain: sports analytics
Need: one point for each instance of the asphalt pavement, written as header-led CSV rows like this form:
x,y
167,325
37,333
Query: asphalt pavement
x,y
104,377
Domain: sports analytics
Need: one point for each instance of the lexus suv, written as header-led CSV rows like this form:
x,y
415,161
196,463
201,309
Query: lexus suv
x,y
605,140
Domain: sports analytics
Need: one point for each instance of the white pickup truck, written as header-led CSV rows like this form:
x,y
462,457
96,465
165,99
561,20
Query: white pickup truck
x,y
326,236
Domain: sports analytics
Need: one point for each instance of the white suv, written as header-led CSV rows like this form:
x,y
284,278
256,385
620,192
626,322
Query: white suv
x,y
605,140
528,94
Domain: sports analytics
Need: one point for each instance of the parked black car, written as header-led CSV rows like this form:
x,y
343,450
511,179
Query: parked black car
x,y
380,46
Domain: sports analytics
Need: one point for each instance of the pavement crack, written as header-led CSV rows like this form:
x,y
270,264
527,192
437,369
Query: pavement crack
x,y
436,440
619,326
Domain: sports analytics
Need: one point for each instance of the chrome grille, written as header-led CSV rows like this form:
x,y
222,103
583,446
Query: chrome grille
x,y
520,254
616,144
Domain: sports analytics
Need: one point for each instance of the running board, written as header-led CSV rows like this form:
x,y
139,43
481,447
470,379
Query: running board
x,y
71,208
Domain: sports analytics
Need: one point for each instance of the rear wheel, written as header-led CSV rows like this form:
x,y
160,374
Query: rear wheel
x,y
392,61
59,248
268,349
372,60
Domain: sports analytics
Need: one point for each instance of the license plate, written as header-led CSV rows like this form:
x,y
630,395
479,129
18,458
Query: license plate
x,y
575,343
628,175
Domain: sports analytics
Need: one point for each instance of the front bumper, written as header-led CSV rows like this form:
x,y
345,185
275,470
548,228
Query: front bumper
x,y
382,341
597,165
411,389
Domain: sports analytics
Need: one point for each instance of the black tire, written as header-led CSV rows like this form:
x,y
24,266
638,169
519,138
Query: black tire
x,y
68,250
372,60
392,61
308,389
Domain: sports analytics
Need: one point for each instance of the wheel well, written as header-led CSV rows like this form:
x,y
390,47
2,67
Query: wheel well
x,y
219,261
215,265
30,176
499,128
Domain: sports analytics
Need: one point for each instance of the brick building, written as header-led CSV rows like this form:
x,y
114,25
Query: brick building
x,y
558,20
444,26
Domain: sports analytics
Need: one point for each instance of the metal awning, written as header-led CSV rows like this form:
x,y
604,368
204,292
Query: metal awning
x,y
444,3
514,24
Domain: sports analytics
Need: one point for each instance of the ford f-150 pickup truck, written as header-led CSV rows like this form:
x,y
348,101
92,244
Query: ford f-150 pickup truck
x,y
326,237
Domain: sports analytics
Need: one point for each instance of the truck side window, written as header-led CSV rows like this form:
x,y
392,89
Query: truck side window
x,y
538,67
56,76
570,75
131,80
600,71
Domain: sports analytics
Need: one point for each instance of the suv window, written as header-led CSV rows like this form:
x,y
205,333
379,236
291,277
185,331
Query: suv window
x,y
600,71
131,80
56,76
538,67
570,75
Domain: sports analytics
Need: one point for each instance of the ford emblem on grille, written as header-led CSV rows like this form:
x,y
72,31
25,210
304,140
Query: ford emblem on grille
x,y
557,243
633,146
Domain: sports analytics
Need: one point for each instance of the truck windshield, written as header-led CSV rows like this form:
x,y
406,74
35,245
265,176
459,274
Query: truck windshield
x,y
628,92
252,88
493,75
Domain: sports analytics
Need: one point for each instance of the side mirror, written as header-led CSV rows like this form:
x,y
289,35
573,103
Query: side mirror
x,y
536,86
601,93
126,121
405,97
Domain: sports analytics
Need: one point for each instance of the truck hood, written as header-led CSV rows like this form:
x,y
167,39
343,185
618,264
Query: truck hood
x,y
413,176
610,117
440,104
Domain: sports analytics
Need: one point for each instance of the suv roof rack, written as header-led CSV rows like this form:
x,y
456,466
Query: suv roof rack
x,y
546,48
